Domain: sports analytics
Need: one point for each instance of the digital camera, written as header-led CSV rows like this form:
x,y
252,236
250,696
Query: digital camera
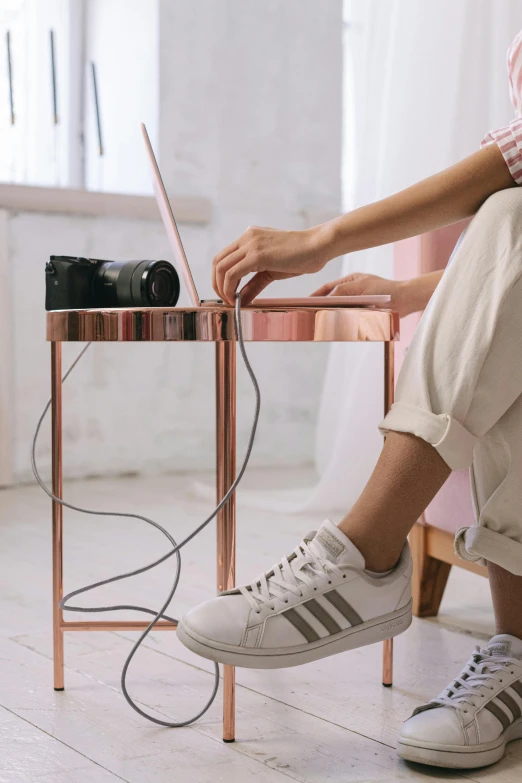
x,y
76,283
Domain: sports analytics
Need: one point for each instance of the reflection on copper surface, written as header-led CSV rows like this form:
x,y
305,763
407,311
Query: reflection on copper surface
x,y
226,519
389,392
389,376
205,324
387,662
57,514
116,625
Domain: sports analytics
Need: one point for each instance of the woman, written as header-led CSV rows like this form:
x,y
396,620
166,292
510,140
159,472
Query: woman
x,y
458,404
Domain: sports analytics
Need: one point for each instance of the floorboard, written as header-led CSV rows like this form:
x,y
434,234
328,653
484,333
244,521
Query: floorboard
x,y
29,754
327,721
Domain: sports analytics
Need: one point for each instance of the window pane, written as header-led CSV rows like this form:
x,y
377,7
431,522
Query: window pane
x,y
122,41
35,150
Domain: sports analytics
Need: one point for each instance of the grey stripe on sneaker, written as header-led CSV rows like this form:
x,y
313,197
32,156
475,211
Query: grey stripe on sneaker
x,y
431,705
315,608
510,703
517,687
499,714
302,626
343,607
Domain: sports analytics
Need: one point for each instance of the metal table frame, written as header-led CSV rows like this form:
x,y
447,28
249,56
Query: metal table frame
x,y
211,323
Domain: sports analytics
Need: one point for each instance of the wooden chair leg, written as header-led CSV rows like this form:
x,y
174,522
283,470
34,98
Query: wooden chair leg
x,y
429,575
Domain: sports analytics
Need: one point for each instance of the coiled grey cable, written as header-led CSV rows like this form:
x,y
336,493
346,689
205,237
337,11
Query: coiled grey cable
x,y
174,551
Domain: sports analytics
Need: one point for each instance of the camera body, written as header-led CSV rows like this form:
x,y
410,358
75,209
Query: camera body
x,y
77,283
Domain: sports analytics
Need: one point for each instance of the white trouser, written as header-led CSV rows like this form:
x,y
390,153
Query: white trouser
x,y
460,387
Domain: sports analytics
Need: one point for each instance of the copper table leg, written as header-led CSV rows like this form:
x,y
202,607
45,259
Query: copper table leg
x,y
226,520
346,325
56,426
389,389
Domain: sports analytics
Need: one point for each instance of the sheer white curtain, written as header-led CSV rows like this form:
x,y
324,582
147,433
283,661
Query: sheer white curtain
x,y
424,81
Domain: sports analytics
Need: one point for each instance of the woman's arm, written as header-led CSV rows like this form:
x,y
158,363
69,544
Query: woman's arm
x,y
452,195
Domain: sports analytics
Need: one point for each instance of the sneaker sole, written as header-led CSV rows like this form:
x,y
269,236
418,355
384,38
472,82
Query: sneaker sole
x,y
376,630
453,757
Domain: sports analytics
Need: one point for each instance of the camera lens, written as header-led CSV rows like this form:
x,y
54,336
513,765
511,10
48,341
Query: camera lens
x,y
136,284
158,284
161,286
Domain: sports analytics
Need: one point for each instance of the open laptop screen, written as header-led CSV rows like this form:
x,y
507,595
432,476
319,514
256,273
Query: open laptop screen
x,y
169,222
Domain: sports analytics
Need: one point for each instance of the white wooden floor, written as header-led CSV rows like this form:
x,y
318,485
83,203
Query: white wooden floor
x,y
328,721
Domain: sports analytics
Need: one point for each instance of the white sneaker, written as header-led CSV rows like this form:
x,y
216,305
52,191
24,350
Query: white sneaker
x,y
317,602
471,722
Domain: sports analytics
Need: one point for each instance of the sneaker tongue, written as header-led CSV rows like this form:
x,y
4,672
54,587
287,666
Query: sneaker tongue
x,y
504,644
331,544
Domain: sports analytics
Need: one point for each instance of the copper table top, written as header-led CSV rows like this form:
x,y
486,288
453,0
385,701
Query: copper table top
x,y
215,323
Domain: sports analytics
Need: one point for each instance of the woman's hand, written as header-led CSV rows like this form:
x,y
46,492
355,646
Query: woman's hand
x,y
407,296
272,255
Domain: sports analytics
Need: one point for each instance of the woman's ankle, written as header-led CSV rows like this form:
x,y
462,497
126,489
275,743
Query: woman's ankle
x,y
379,555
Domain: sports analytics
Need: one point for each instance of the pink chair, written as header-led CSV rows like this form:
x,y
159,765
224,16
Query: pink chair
x,y
432,537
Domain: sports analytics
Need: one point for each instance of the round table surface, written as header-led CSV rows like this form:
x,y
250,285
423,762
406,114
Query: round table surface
x,y
215,323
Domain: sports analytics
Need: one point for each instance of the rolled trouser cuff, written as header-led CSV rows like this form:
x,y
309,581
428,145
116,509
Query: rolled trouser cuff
x,y
453,442
480,545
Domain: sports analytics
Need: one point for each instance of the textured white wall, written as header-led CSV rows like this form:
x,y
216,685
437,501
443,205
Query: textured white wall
x,y
250,112
250,117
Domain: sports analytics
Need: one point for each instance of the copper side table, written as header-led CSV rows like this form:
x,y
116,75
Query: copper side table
x,y
211,323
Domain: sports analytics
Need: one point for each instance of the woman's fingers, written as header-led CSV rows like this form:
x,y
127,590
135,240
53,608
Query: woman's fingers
x,y
347,289
325,289
226,251
349,280
233,276
221,269
254,287
222,256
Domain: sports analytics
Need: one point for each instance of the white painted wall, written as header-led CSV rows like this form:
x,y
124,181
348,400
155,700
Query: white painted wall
x,y
250,113
250,117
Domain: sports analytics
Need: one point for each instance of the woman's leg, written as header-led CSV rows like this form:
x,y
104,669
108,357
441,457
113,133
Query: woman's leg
x,y
496,481
460,390
506,589
408,475
462,378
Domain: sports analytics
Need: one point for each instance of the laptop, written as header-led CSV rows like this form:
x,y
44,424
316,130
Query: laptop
x,y
183,267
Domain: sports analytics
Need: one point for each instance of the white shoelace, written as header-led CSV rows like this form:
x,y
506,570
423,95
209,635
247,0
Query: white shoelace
x,y
288,576
482,674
